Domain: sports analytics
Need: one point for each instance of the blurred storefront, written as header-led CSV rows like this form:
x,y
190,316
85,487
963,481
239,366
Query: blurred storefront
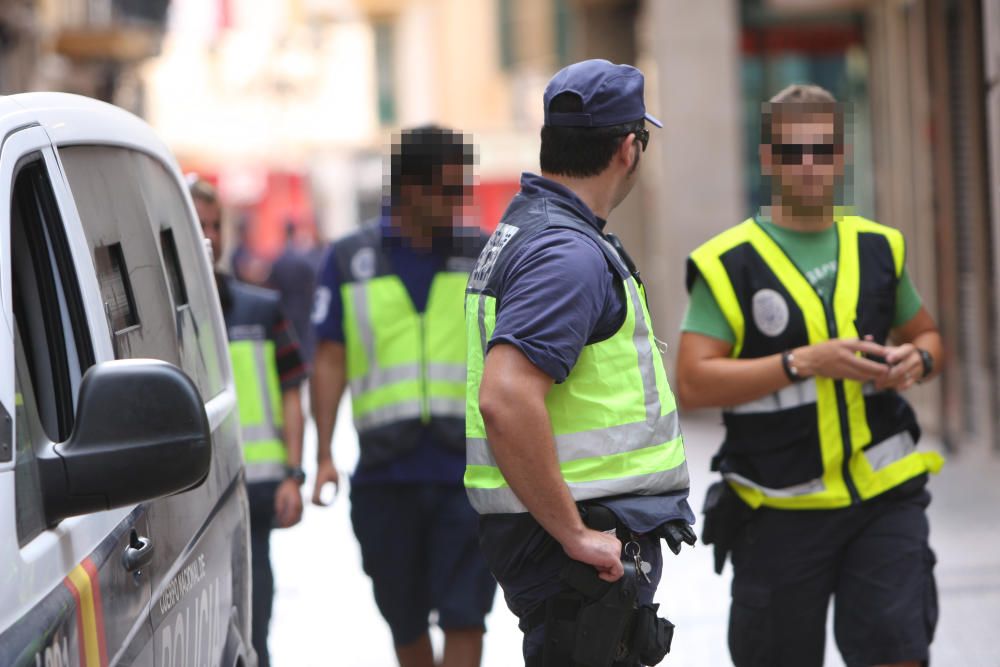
x,y
90,47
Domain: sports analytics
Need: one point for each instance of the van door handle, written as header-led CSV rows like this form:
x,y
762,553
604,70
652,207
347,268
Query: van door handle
x,y
138,552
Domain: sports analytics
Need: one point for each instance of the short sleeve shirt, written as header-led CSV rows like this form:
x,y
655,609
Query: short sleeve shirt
x,y
560,293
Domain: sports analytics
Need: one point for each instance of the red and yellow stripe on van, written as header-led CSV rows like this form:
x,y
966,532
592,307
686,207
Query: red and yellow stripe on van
x,y
83,583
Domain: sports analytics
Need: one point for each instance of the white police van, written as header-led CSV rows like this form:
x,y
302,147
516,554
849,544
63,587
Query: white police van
x,y
123,515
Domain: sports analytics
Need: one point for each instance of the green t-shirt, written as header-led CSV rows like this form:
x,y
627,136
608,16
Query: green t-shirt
x,y
815,254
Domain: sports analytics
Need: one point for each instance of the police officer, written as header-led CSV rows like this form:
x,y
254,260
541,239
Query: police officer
x,y
389,321
574,446
269,372
789,329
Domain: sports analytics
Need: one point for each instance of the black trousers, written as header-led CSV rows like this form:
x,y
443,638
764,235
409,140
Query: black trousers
x,y
261,497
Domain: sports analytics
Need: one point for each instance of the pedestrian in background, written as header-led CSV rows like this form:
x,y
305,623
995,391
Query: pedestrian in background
x,y
269,372
390,324
294,277
575,455
805,328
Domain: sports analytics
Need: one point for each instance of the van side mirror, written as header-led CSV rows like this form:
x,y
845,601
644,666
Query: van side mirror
x,y
141,433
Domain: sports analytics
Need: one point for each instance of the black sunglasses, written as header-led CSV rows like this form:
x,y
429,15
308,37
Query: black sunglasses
x,y
793,153
642,136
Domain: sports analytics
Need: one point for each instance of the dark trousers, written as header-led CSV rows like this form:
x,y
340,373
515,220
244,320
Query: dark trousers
x,y
872,558
261,497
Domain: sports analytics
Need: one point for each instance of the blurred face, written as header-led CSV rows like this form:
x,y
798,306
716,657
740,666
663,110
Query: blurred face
x,y
804,161
430,210
210,216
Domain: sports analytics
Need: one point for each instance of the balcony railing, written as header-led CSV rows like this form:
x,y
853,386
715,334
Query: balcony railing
x,y
119,30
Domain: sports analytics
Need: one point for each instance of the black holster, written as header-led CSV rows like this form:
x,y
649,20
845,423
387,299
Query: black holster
x,y
602,624
726,516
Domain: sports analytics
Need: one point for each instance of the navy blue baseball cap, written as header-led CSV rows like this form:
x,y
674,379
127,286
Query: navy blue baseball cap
x,y
612,95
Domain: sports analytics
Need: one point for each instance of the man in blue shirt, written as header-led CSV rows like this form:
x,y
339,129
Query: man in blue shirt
x,y
389,321
562,289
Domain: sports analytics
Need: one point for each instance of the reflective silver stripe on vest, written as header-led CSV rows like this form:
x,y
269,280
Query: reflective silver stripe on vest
x,y
792,396
261,433
381,377
388,414
503,500
265,390
265,472
803,489
890,450
482,325
359,294
443,372
645,351
588,444
447,407
376,378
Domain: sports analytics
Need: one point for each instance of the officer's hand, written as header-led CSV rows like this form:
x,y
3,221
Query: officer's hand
x,y
326,473
676,533
839,359
288,504
906,368
600,550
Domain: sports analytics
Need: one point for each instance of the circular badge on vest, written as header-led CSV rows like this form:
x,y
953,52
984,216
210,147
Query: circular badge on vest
x,y
770,312
363,264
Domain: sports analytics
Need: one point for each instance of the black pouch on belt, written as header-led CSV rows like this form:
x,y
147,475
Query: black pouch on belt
x,y
726,515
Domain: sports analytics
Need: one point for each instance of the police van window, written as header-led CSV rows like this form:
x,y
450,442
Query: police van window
x,y
30,518
125,250
116,290
47,304
184,255
115,188
172,263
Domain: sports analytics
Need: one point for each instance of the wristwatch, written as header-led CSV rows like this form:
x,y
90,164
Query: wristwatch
x,y
928,362
788,365
295,473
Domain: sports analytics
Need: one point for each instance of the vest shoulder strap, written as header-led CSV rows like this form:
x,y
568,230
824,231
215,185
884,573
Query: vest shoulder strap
x,y
704,255
894,237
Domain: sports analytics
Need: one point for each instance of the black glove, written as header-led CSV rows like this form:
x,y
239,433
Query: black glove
x,y
675,533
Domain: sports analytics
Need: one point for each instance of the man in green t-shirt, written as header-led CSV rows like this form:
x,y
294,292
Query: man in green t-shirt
x,y
805,328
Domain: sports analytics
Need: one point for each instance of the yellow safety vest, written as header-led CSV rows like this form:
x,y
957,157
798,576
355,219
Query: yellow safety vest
x,y
821,443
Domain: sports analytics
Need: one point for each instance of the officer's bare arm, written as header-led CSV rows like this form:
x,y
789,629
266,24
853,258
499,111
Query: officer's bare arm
x,y
291,404
708,377
327,385
512,402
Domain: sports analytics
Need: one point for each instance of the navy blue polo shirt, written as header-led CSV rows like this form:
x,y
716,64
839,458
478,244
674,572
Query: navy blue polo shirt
x,y
430,461
565,295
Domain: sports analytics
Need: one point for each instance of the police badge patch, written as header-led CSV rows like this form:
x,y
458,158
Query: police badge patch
x,y
770,312
363,264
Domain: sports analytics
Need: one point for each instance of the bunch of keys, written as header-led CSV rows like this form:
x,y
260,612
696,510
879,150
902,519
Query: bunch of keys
x,y
633,551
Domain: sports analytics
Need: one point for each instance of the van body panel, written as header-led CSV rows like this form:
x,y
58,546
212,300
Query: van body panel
x,y
66,597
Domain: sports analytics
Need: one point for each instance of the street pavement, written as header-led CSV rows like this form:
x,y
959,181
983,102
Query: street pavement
x,y
324,613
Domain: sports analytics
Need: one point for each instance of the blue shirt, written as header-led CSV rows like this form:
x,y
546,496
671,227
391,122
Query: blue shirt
x,y
565,295
429,461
